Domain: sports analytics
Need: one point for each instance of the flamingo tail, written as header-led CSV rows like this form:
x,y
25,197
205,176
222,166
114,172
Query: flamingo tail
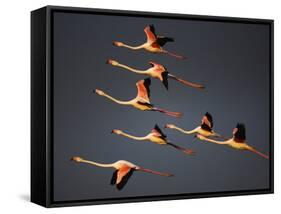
x,y
170,113
186,151
187,83
259,153
155,172
174,54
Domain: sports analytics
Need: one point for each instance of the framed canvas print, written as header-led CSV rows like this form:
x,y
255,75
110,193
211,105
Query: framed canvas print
x,y
138,106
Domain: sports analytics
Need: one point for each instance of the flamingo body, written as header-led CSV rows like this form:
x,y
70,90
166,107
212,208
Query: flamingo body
x,y
205,129
142,100
153,44
123,170
238,141
155,136
156,71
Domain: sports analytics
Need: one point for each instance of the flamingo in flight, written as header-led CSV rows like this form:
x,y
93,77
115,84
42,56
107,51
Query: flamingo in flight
x,y
141,101
205,129
238,140
155,136
123,170
153,44
156,71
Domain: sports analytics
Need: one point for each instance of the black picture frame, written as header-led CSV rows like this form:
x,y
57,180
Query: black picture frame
x,y
42,105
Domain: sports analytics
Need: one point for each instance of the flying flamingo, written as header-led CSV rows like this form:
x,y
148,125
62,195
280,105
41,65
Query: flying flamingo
x,y
154,43
156,71
123,170
238,141
141,101
205,129
155,136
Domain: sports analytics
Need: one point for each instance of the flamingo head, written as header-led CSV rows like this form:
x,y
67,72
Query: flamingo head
x,y
170,126
116,131
99,92
112,62
118,44
76,159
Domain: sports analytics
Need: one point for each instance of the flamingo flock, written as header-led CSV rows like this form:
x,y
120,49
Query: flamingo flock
x,y
203,132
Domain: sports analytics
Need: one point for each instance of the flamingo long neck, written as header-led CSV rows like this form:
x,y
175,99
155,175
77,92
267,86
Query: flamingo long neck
x,y
133,137
133,47
216,141
132,69
117,101
185,131
97,164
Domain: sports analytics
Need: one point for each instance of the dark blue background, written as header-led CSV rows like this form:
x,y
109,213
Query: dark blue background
x,y
231,59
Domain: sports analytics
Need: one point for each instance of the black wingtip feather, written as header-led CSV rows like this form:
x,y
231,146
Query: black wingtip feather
x,y
114,177
240,134
147,83
210,118
165,80
156,127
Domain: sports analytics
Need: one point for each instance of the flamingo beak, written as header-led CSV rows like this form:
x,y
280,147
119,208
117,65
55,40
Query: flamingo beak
x,y
77,159
109,61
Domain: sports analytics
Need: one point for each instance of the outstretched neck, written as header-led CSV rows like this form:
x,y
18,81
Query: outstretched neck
x,y
185,131
97,164
117,101
132,69
133,47
218,142
133,137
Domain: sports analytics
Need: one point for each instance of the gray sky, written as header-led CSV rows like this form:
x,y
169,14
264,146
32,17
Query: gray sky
x,y
230,59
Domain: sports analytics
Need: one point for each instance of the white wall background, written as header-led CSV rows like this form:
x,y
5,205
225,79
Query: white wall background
x,y
15,104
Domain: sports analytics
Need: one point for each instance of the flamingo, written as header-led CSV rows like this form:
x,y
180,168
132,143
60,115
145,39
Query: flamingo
x,y
156,71
141,101
238,140
154,43
205,129
155,136
123,170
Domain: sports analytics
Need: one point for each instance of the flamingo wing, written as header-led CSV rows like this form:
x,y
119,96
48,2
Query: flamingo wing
x,y
150,34
114,177
161,40
143,89
165,79
240,133
123,175
158,132
207,122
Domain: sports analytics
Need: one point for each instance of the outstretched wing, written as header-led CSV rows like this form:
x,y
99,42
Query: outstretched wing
x,y
240,133
161,40
123,176
158,132
210,119
165,79
150,34
207,122
114,177
143,89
